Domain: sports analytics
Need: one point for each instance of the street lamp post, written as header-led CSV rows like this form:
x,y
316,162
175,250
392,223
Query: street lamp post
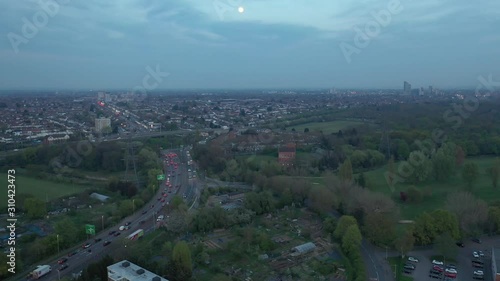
x,y
133,206
102,222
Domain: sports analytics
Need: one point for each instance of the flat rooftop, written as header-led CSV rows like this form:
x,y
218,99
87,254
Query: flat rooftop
x,y
127,271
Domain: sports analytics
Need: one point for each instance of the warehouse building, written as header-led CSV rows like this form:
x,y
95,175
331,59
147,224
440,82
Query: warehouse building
x,y
127,271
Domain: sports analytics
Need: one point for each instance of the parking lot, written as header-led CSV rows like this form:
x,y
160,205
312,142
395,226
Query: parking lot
x,y
463,263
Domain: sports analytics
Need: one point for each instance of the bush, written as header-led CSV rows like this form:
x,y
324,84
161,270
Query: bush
x,y
415,195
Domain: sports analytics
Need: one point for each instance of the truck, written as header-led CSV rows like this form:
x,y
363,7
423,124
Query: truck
x,y
136,234
40,271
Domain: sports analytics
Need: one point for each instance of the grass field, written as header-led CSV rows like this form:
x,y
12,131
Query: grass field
x,y
439,191
326,127
42,189
397,262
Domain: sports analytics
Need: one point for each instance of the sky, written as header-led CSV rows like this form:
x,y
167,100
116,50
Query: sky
x,y
204,44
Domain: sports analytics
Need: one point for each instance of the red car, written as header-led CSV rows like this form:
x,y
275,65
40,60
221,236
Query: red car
x,y
451,275
162,200
63,260
438,268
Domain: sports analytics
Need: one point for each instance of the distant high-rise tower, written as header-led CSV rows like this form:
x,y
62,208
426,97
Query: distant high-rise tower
x,y
431,91
407,88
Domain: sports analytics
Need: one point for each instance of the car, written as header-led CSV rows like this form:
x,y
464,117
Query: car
x,y
460,244
159,198
478,272
112,232
163,204
436,276
408,271
162,200
63,267
436,262
477,240
475,254
117,234
438,268
450,265
63,260
451,270
106,243
412,259
409,266
481,254
477,265
451,275
478,277
85,246
97,240
145,212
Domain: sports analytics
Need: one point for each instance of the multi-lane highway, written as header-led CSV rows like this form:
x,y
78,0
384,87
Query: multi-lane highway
x,y
176,182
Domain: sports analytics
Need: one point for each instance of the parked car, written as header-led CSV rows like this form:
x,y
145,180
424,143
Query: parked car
x,y
450,265
436,262
460,244
478,272
412,259
477,240
438,268
451,275
451,270
409,266
481,254
475,254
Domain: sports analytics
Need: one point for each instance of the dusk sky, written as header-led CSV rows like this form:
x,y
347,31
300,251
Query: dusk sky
x,y
108,44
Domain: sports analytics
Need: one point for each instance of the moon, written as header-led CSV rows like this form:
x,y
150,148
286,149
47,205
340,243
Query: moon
x,y
241,10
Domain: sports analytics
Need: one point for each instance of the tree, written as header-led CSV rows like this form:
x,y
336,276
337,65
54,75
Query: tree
x,y
379,228
35,208
321,200
460,156
494,173
405,243
181,261
443,162
351,240
494,219
177,222
342,225
471,212
470,173
446,222
361,180
345,172
422,167
415,195
445,246
424,229
329,225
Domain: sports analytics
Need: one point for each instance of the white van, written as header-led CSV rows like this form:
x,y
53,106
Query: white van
x,y
160,218
121,228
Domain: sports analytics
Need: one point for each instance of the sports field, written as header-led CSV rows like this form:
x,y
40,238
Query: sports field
x,y
42,189
326,127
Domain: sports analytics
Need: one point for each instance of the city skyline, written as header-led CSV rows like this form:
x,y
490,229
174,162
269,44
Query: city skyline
x,y
212,45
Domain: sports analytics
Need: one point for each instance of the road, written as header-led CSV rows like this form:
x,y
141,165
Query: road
x,y
144,218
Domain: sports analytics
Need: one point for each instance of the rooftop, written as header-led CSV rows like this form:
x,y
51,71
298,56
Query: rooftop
x,y
125,270
309,246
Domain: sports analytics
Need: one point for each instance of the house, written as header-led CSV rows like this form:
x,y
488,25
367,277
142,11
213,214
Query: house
x,y
286,154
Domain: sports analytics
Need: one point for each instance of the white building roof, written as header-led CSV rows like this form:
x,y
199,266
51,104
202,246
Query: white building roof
x,y
127,271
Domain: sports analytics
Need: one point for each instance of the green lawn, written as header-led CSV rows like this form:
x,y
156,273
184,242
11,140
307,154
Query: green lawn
x,y
326,127
397,263
42,189
438,191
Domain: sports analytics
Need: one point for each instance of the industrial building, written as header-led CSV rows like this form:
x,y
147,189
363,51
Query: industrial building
x,y
127,271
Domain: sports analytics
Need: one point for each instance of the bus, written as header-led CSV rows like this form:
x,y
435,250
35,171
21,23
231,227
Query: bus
x,y
138,233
